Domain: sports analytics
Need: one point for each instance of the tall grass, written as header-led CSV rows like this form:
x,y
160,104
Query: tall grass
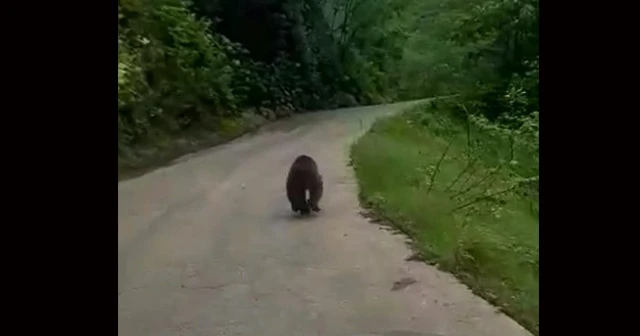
x,y
467,195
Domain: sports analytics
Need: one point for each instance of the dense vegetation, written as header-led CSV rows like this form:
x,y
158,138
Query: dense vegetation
x,y
464,171
460,176
222,66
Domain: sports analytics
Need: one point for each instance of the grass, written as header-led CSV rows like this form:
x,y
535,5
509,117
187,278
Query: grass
x,y
163,148
419,172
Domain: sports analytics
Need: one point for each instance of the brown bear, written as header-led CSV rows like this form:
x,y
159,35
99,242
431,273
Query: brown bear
x,y
303,175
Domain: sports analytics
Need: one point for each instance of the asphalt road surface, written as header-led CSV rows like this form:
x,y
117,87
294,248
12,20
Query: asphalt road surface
x,y
209,246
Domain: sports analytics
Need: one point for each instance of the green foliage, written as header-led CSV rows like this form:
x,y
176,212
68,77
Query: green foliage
x,y
505,37
485,50
465,190
183,64
431,65
461,176
174,72
186,67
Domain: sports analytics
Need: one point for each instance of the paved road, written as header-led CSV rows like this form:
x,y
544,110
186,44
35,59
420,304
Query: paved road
x,y
208,246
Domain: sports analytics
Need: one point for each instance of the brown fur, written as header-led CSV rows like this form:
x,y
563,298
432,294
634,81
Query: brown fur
x,y
303,175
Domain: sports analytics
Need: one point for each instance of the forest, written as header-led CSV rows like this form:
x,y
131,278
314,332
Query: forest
x,y
197,73
223,65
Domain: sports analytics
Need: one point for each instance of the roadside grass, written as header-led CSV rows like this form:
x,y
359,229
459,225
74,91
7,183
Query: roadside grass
x,y
457,192
162,148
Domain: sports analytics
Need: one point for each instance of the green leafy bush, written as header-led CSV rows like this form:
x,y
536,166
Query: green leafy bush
x,y
172,72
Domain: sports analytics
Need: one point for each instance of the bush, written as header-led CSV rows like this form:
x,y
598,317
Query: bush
x,y
172,72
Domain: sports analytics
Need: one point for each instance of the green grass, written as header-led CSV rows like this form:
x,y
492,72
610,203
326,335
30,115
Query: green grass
x,y
491,245
163,148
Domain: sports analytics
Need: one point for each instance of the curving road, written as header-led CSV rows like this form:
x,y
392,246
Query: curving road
x,y
208,246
